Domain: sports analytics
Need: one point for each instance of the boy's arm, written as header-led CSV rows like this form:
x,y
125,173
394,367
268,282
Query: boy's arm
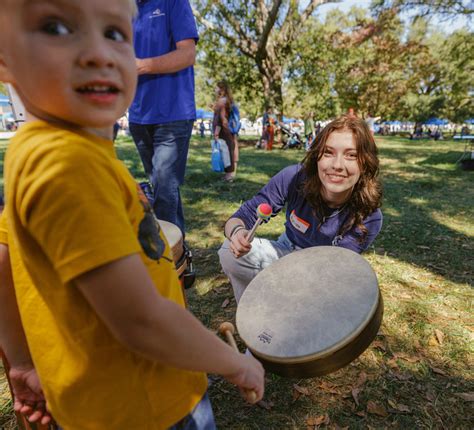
x,y
28,395
12,336
157,328
183,56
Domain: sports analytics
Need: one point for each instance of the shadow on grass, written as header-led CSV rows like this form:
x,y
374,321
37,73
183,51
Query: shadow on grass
x,y
410,385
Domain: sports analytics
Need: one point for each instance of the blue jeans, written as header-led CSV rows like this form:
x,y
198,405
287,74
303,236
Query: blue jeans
x,y
201,417
163,149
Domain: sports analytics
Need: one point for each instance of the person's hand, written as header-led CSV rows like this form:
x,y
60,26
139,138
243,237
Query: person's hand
x,y
239,245
250,377
216,136
142,66
28,397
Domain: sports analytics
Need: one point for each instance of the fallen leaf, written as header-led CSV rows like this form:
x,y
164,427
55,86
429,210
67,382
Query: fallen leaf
x,y
406,357
402,376
301,390
403,408
376,409
438,371
361,414
362,379
439,336
378,344
430,395
225,303
468,397
392,403
317,421
432,341
265,405
296,395
355,395
328,388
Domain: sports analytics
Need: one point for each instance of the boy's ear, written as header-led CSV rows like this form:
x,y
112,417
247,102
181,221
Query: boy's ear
x,y
5,75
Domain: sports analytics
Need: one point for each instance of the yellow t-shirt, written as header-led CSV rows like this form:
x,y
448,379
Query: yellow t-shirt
x,y
73,206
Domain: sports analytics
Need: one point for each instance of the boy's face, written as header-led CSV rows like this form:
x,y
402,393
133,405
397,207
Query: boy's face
x,y
71,61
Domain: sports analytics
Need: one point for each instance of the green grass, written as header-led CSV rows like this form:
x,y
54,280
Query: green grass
x,y
419,366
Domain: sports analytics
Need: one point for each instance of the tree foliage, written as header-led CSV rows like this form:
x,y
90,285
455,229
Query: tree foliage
x,y
262,31
374,62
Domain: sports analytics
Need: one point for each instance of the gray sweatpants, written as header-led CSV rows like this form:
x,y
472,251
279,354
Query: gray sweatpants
x,y
264,252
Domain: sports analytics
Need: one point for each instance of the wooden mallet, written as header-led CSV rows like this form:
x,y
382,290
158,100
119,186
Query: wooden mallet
x,y
227,329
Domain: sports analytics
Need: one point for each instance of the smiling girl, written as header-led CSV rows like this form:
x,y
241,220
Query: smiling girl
x,y
332,198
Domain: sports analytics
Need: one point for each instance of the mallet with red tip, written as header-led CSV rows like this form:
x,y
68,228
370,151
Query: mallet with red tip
x,y
264,212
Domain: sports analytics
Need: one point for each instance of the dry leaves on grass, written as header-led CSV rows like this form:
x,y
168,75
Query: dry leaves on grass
x,y
314,422
299,391
439,336
376,409
468,397
398,407
225,303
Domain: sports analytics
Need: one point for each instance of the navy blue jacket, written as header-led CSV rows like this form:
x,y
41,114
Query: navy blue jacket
x,y
302,226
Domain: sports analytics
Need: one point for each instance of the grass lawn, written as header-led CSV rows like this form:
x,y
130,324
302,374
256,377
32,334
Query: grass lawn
x,y
416,373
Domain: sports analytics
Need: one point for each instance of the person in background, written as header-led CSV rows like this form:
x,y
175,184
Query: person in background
x,y
351,113
220,125
332,198
269,123
202,129
97,305
163,111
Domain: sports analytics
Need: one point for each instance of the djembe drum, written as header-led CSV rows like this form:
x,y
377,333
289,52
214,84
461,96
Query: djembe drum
x,y
311,312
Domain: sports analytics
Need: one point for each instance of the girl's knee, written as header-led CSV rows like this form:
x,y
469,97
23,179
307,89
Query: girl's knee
x,y
225,257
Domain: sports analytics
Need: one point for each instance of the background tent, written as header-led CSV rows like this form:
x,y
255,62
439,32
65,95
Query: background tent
x,y
202,114
436,121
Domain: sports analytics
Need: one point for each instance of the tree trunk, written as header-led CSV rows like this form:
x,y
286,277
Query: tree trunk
x,y
272,86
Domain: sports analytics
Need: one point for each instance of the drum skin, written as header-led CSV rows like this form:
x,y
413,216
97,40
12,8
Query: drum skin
x,y
175,240
311,312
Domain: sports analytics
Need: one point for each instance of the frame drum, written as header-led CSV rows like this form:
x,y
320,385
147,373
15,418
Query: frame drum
x,y
311,312
175,240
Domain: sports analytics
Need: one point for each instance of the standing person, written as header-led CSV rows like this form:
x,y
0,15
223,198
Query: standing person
x,y
220,125
370,120
332,198
163,112
202,129
101,307
269,124
351,113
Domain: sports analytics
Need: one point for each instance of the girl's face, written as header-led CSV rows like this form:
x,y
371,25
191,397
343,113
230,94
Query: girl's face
x,y
338,168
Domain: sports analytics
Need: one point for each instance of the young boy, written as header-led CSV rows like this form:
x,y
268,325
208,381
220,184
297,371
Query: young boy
x,y
100,303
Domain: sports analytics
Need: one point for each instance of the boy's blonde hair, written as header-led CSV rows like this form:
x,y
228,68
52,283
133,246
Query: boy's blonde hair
x,y
133,5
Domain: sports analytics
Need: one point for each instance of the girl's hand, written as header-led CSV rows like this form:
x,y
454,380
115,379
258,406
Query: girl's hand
x,y
239,245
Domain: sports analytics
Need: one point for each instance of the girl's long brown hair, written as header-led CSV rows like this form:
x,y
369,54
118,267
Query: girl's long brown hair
x,y
226,92
366,196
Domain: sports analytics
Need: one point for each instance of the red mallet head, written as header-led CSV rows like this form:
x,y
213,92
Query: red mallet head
x,y
264,211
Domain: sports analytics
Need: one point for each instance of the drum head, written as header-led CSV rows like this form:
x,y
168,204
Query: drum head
x,y
298,314
174,237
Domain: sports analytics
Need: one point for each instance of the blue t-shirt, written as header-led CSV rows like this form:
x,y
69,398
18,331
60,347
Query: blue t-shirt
x,y
302,227
163,98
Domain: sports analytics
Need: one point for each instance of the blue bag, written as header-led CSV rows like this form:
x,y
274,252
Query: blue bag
x,y
234,119
217,164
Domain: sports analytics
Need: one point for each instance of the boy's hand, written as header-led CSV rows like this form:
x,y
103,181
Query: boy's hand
x,y
28,396
239,245
250,377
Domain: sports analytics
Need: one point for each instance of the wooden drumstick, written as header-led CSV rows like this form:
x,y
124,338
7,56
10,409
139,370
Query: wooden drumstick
x,y
227,329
